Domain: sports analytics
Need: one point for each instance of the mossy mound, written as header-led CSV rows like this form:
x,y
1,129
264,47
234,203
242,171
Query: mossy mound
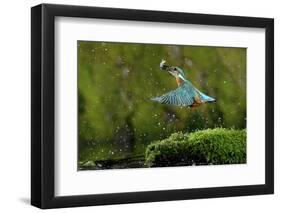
x,y
204,147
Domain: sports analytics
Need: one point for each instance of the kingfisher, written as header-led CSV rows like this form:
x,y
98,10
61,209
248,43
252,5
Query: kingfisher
x,y
186,95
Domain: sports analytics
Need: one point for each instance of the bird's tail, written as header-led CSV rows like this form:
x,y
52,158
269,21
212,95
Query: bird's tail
x,y
206,98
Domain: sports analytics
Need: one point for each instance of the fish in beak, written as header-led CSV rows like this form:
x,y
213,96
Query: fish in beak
x,y
174,71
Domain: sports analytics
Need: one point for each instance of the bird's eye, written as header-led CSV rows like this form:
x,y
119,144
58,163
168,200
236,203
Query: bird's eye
x,y
175,69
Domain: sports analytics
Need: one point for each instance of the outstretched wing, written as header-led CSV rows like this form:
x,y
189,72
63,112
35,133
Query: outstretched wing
x,y
182,96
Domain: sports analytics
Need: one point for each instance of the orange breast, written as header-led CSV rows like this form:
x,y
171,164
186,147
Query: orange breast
x,y
179,81
197,101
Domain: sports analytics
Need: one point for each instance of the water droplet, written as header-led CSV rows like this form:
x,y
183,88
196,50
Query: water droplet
x,y
126,72
188,62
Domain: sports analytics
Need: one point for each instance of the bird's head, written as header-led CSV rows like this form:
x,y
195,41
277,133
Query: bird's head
x,y
175,71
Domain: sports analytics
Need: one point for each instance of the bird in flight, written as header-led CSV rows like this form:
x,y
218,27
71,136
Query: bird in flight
x,y
186,95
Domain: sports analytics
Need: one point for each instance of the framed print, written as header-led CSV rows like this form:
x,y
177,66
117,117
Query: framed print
x,y
139,106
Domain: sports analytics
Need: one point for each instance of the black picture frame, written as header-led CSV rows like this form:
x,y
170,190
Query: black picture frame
x,y
43,102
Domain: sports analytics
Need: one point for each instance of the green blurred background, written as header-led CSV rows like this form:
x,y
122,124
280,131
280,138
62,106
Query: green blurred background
x,y
117,119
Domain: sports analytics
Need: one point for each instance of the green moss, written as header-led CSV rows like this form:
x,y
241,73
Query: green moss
x,y
211,146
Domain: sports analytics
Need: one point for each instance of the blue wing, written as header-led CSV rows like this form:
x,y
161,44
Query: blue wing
x,y
182,96
185,95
